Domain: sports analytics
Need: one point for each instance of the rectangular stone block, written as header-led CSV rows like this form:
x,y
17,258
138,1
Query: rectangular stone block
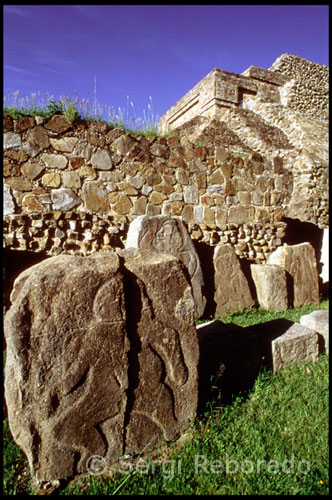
x,y
271,286
298,344
319,322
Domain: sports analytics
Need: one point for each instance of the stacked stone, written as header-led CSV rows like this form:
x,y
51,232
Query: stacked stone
x,y
309,92
62,232
89,168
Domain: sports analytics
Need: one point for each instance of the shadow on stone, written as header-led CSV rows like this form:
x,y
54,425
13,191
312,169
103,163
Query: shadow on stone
x,y
205,254
232,356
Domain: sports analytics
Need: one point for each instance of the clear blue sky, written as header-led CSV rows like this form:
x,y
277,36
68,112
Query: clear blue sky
x,y
160,51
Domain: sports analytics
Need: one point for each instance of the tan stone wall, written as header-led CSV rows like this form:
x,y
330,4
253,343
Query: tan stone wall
x,y
308,89
75,188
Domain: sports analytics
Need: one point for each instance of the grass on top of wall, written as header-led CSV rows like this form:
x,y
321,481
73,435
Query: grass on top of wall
x,y
271,441
74,108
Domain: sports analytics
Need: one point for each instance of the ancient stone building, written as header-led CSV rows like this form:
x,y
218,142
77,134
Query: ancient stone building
x,y
247,164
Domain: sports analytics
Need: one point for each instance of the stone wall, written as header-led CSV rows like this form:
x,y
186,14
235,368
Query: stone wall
x,y
76,188
308,88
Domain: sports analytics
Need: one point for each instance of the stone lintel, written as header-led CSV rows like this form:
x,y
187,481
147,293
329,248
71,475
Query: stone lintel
x,y
265,75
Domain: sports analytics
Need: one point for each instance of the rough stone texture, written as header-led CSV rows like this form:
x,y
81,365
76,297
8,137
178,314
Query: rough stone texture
x,y
231,287
319,322
64,199
262,158
169,235
8,202
300,262
271,286
102,358
164,349
66,366
298,344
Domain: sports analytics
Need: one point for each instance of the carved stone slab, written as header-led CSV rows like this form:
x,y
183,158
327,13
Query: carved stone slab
x,y
231,287
300,262
169,235
102,358
163,376
66,366
271,286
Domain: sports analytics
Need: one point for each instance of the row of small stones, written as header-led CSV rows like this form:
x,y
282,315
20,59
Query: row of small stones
x,y
88,236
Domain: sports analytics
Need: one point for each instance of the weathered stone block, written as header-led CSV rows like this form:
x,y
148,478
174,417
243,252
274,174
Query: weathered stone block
x,y
64,199
66,367
163,389
319,322
300,262
54,160
101,160
32,170
271,286
65,144
231,287
8,202
169,235
39,136
11,140
102,358
298,344
95,197
58,123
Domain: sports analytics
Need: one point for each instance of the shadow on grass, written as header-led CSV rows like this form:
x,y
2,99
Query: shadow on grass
x,y
231,357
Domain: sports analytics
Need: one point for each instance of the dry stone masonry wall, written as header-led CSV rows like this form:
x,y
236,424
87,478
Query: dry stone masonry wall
x,y
243,159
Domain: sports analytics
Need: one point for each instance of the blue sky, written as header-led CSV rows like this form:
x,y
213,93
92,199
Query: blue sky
x,y
140,51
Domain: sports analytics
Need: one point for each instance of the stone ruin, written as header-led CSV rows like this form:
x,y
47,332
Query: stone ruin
x,y
103,357
125,241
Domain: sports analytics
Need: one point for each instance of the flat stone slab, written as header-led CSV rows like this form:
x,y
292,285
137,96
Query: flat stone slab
x,y
298,344
319,322
300,262
271,286
169,235
231,286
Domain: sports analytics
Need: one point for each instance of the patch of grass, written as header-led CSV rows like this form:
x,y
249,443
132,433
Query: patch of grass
x,y
16,476
247,317
82,109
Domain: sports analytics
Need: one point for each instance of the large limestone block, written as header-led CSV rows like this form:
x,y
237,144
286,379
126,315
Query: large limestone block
x,y
319,322
66,366
298,344
271,286
169,235
231,287
163,374
300,262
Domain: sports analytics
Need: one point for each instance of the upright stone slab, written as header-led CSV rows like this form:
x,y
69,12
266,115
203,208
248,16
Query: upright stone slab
x,y
66,366
163,372
319,322
231,287
169,235
298,344
300,262
271,286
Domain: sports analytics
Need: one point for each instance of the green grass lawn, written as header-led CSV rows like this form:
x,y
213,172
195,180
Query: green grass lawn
x,y
273,441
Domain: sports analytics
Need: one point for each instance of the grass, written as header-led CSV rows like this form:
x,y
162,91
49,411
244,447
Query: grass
x,y
74,108
273,441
